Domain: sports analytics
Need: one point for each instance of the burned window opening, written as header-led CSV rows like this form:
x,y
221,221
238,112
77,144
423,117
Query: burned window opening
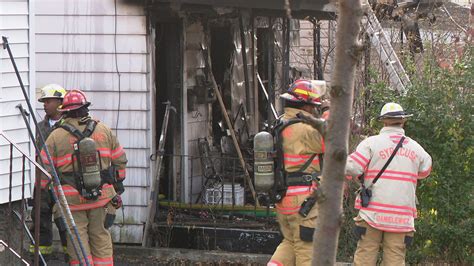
x,y
264,62
168,81
221,59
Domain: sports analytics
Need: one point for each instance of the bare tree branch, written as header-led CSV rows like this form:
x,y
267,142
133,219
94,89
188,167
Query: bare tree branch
x,y
452,19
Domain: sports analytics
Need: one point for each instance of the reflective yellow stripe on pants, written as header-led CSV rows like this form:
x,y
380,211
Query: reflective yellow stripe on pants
x,y
45,250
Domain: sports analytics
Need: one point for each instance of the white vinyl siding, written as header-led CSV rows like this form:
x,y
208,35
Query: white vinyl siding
x,y
89,45
301,55
15,25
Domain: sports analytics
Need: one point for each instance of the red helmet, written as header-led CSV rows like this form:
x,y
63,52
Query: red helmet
x,y
306,91
74,99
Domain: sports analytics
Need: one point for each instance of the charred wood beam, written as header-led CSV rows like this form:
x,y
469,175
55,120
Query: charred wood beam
x,y
255,116
270,75
318,70
244,61
286,55
296,14
165,9
296,5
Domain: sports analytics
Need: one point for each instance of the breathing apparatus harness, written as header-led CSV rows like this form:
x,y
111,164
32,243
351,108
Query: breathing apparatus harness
x,y
284,179
87,176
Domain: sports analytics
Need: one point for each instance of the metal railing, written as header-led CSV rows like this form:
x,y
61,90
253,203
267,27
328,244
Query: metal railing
x,y
219,199
18,251
206,174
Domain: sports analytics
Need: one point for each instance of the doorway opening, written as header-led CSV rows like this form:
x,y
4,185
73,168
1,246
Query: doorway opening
x,y
168,81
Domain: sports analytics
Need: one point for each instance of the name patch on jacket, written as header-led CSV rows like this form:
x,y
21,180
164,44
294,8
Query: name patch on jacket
x,y
404,152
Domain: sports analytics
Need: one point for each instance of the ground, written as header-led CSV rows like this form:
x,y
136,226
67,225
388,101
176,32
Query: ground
x,y
136,255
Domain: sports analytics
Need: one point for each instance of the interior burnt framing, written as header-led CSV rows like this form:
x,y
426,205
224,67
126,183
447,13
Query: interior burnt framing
x,y
242,41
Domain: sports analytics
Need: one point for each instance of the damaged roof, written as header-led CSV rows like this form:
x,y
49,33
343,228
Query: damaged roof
x,y
323,9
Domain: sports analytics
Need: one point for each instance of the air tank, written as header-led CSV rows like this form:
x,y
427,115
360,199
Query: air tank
x,y
264,172
89,163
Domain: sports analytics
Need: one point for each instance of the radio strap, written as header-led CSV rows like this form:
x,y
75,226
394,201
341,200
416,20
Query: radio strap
x,y
399,145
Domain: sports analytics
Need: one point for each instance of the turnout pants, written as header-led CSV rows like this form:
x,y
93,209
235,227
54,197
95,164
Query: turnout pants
x,y
95,237
46,226
62,230
296,247
370,239
46,223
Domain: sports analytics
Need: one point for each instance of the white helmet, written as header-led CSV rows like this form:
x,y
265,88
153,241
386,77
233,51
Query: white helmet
x,y
52,91
393,110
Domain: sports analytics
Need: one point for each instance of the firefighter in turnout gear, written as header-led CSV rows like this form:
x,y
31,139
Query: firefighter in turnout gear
x,y
91,166
389,166
302,147
51,97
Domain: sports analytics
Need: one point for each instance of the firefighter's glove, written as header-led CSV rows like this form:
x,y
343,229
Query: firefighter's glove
x,y
119,188
317,123
109,175
116,201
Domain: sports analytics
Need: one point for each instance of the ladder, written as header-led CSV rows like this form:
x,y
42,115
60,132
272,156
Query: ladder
x,y
397,76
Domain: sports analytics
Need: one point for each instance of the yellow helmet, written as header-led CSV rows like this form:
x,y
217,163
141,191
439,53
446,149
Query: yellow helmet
x,y
52,91
393,110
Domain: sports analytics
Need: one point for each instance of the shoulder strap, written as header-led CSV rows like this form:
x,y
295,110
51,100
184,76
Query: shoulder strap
x,y
321,161
399,145
74,131
279,127
90,127
307,163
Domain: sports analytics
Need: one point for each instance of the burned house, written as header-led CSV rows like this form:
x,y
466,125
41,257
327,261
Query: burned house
x,y
197,45
131,56
220,65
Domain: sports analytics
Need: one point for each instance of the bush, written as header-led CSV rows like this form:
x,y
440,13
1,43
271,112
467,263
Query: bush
x,y
443,124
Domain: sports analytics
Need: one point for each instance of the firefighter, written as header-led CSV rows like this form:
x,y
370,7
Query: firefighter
x,y
91,166
386,204
51,97
302,146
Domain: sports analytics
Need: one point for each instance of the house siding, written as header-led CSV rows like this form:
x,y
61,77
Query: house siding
x,y
15,19
301,55
101,47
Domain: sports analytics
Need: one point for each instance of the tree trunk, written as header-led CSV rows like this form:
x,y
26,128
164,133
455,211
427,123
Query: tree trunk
x,y
341,92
